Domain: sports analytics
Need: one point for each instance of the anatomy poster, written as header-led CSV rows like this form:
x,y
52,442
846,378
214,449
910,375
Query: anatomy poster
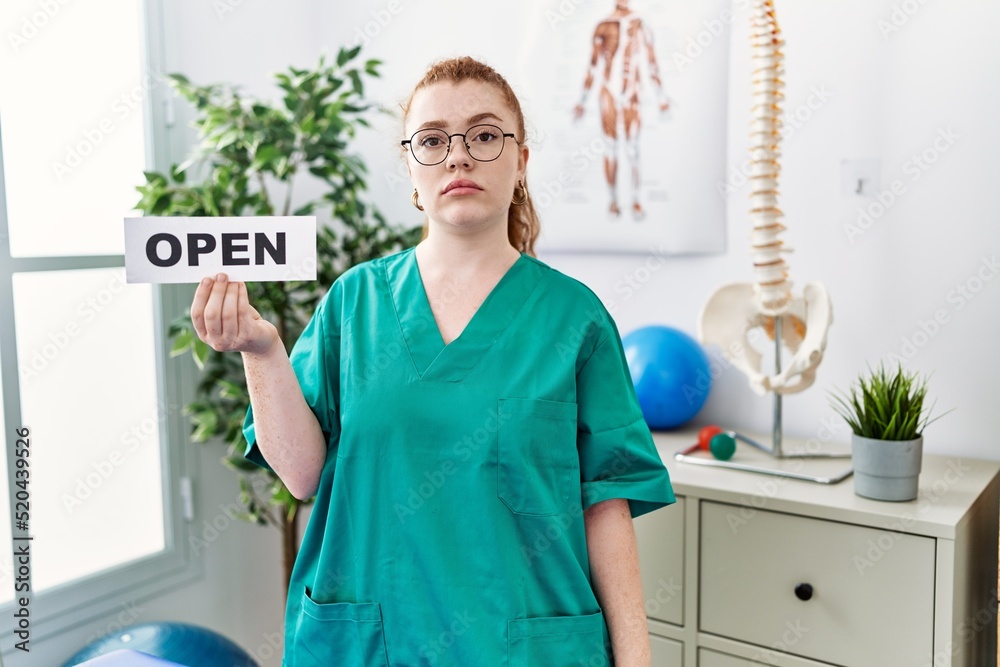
x,y
627,107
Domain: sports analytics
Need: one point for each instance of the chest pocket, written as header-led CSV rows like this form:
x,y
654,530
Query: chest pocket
x,y
538,468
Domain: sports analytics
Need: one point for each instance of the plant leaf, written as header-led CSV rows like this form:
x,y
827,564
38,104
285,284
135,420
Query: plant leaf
x,y
183,341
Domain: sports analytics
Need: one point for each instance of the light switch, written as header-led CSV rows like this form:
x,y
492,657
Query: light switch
x,y
860,178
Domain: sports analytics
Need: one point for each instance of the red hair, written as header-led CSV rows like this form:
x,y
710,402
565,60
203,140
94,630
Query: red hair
x,y
522,219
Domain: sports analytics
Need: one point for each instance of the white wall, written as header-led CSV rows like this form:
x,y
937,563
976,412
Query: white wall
x,y
889,98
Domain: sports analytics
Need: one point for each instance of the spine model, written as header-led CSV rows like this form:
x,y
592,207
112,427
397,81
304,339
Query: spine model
x,y
771,285
735,310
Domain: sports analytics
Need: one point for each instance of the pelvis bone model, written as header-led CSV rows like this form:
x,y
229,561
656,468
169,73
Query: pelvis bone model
x,y
735,310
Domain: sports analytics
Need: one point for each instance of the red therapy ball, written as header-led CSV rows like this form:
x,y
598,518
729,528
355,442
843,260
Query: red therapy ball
x,y
706,434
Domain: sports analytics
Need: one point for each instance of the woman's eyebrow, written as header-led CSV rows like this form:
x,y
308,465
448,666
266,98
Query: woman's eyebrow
x,y
471,121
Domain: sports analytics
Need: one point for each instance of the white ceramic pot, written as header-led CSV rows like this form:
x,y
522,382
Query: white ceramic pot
x,y
887,469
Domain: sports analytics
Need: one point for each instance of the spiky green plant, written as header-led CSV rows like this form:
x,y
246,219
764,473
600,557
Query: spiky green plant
x,y
885,406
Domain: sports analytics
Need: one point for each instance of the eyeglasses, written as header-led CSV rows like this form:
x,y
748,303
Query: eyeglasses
x,y
431,146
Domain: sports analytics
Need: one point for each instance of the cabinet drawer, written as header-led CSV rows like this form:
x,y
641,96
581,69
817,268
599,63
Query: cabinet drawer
x,y
660,539
666,652
707,658
872,600
713,659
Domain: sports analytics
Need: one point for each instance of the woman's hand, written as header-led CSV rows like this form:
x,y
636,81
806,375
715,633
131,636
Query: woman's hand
x,y
223,318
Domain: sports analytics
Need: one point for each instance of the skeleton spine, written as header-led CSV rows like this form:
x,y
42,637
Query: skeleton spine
x,y
771,284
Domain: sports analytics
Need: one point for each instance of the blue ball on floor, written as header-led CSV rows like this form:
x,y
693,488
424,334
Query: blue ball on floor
x,y
183,643
671,374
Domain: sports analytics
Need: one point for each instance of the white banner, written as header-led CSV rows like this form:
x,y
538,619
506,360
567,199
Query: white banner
x,y
174,249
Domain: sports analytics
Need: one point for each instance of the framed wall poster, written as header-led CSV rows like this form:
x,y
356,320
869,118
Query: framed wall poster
x,y
633,162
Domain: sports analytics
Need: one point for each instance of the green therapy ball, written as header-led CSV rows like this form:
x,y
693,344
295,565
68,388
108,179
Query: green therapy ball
x,y
722,446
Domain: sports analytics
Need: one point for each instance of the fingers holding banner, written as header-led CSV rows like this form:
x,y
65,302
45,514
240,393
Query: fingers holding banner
x,y
213,309
224,319
198,307
230,320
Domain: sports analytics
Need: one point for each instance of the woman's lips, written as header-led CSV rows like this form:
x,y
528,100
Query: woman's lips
x,y
461,186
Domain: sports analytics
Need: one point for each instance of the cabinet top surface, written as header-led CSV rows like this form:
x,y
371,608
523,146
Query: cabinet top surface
x,y
948,487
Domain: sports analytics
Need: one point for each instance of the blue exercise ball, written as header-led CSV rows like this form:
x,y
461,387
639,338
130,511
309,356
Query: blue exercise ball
x,y
670,372
182,643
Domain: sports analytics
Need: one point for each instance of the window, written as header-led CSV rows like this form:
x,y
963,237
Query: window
x,y
82,357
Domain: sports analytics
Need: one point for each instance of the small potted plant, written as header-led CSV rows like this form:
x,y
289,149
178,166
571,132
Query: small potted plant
x,y
887,415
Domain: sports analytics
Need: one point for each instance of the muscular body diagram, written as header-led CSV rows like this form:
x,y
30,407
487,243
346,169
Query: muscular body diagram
x,y
620,42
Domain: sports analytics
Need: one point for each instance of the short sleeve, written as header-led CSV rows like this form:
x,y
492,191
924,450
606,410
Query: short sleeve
x,y
618,458
315,359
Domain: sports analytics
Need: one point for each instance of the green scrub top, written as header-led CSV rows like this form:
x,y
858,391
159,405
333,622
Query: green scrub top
x,y
448,522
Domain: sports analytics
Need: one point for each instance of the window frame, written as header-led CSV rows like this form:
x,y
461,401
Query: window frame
x,y
104,594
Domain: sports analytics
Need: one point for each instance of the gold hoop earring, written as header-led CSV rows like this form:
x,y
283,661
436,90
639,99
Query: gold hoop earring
x,y
415,200
524,195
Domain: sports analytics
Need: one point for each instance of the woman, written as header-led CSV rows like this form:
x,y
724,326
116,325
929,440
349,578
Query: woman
x,y
464,415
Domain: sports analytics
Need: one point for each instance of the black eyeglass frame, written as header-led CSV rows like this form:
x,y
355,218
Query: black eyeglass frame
x,y
503,137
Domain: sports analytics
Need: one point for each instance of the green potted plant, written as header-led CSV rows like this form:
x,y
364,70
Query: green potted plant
x,y
248,149
887,415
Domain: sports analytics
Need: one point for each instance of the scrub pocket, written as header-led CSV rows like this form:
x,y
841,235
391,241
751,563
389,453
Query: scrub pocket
x,y
338,633
557,641
538,468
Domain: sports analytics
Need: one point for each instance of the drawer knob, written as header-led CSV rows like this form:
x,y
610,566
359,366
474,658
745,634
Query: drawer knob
x,y
804,592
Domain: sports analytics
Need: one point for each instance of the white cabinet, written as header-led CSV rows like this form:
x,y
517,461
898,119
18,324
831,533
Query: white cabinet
x,y
748,569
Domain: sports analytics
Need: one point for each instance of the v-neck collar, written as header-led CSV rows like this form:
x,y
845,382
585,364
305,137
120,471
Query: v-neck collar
x,y
432,359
